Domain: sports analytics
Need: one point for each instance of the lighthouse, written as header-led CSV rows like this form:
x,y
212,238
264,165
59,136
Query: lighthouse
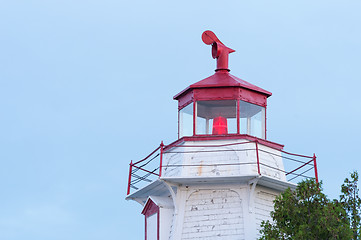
x,y
218,180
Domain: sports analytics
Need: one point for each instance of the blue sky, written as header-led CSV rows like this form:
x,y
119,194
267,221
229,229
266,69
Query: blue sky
x,y
87,86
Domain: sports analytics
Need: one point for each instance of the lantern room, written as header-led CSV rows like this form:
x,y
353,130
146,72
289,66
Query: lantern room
x,y
221,104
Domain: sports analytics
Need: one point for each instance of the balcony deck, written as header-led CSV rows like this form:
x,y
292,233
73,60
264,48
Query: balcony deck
x,y
221,160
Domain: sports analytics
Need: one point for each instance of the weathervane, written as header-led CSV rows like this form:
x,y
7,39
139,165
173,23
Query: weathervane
x,y
219,50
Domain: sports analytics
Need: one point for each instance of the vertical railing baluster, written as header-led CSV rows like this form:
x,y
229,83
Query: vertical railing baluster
x,y
258,167
315,167
130,176
161,159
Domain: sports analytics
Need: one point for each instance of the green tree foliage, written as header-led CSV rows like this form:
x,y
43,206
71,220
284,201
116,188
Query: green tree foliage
x,y
352,203
306,213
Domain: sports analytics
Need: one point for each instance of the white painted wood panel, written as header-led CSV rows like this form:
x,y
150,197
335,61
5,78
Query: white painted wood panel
x,y
213,214
152,226
263,206
217,161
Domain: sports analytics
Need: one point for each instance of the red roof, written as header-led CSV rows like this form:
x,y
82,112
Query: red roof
x,y
224,79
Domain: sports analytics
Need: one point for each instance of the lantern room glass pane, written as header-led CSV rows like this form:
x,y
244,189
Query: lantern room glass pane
x,y
216,117
252,119
186,121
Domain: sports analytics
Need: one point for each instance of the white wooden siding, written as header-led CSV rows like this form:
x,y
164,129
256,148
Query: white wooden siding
x,y
208,160
213,214
263,206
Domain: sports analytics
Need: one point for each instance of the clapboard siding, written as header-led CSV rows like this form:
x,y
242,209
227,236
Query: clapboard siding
x,y
263,206
235,160
213,214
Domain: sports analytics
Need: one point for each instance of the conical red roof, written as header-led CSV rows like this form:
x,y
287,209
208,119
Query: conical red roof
x,y
224,79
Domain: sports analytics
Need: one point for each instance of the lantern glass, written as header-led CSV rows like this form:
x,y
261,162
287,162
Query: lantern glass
x,y
252,119
185,117
207,111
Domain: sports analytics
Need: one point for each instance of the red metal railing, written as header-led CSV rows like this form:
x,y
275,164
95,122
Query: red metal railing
x,y
150,168
145,170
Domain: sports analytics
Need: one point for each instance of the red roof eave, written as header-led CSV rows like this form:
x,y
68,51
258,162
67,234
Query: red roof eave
x,y
265,142
223,79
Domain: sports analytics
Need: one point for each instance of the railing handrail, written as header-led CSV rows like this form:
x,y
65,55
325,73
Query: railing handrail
x,y
147,156
166,149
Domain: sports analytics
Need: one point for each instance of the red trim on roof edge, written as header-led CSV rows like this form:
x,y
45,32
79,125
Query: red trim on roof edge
x,y
150,208
226,137
223,79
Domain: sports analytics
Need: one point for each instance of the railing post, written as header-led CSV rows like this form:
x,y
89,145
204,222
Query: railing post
x,y
130,176
315,167
259,170
161,159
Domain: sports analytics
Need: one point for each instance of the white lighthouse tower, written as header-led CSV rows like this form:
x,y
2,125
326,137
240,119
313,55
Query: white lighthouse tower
x,y
219,179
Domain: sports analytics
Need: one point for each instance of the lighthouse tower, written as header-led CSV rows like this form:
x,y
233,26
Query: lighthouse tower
x,y
218,180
